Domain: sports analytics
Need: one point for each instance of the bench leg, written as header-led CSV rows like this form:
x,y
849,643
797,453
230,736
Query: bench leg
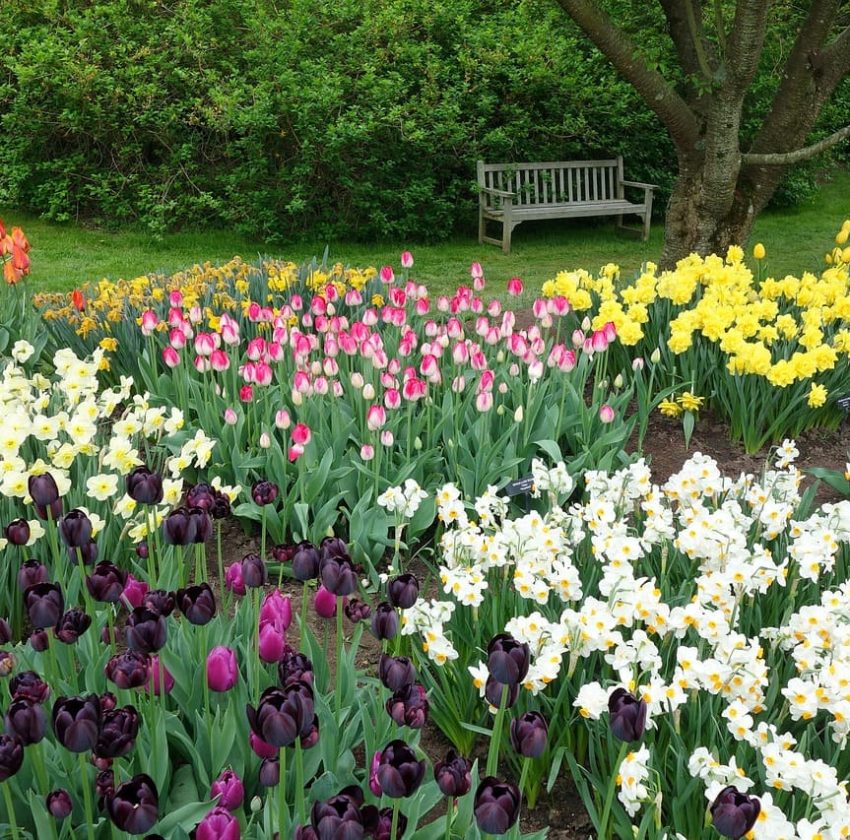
x,y
481,226
647,215
507,229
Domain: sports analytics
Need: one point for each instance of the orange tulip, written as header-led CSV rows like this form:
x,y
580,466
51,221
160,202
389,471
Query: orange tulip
x,y
11,274
20,239
20,259
2,230
5,245
79,300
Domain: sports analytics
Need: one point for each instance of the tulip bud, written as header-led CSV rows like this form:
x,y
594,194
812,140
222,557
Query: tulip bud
x,y
59,804
628,715
655,356
222,669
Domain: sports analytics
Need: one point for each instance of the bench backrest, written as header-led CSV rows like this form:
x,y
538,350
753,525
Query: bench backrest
x,y
562,182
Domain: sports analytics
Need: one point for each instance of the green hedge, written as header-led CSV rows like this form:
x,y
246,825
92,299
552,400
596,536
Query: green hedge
x,y
356,118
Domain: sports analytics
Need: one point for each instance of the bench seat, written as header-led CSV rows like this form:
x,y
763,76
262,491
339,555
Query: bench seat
x,y
512,193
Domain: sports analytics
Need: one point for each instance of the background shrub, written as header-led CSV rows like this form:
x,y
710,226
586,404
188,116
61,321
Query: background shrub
x,y
355,118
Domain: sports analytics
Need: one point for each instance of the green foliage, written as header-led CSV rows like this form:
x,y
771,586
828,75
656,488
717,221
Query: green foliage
x,y
356,118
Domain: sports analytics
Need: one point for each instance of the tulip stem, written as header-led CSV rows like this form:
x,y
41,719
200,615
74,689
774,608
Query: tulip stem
x,y
204,655
281,793
339,654
40,770
394,829
450,807
299,782
84,778
10,809
305,602
495,741
609,797
220,561
110,623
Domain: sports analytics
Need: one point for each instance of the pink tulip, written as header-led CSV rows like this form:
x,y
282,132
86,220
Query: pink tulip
x,y
387,438
367,452
578,338
175,298
374,784
196,314
219,361
265,441
406,259
301,434
387,275
233,579
171,357
263,374
294,453
204,344
638,363
256,349
320,386
222,670
230,416
202,364
559,305
134,591
218,824
376,417
325,603
150,320
515,286
154,677
261,748
272,643
254,312
177,339
246,393
610,331
414,389
230,790
606,413
598,341
276,609
475,270
484,401
458,384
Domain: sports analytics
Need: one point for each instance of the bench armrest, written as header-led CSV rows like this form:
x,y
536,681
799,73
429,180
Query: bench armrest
x,y
639,184
498,193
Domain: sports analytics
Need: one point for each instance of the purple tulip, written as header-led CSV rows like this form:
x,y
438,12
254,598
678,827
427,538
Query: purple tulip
x,y
264,492
134,591
627,714
75,528
31,573
134,806
529,733
254,572
507,659
108,701
76,722
145,631
201,496
269,773
106,582
5,632
144,486
128,669
72,625
734,813
197,603
233,579
399,772
201,526
325,603
271,643
59,804
403,591
178,528
26,720
409,706
222,669
39,640
87,553
283,714
311,738
385,621
283,553
261,748
160,679
18,532
497,805
43,490
118,731
11,756
338,818
104,786
357,610
396,672
453,775
295,666
229,789
382,829
44,604
338,575
305,562
218,824
27,685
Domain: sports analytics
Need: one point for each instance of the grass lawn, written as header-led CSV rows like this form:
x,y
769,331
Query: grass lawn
x,y
67,255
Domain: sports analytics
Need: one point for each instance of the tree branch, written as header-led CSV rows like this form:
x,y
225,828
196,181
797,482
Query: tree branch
x,y
619,49
685,24
806,153
746,41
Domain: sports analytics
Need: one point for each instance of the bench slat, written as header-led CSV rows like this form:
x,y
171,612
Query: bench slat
x,y
556,164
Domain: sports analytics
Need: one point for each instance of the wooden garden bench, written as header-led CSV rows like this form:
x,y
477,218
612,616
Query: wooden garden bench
x,y
512,193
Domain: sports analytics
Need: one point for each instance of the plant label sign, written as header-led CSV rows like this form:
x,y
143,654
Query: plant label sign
x,y
520,486
844,404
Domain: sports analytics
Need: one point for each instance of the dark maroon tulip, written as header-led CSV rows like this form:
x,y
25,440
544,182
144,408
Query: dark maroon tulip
x,y
305,562
106,582
221,507
283,714
385,621
17,532
31,573
52,512
144,486
145,631
337,818
201,496
26,720
44,604
178,528
493,693
338,575
59,804
409,706
5,632
284,553
11,756
254,572
201,525
108,701
399,771
310,740
264,492
87,553
39,640
403,591
43,490
396,672
627,714
507,659
295,666
118,730
159,601
104,786
27,685
76,722
305,832
134,806
72,625
333,547
197,603
734,813
497,805
453,775
230,790
75,528
529,733
269,773
356,610
7,663
142,551
218,824
128,669
383,827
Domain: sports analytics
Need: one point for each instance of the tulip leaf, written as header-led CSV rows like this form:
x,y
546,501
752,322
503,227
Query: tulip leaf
x,y
185,817
551,448
42,819
222,743
183,791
